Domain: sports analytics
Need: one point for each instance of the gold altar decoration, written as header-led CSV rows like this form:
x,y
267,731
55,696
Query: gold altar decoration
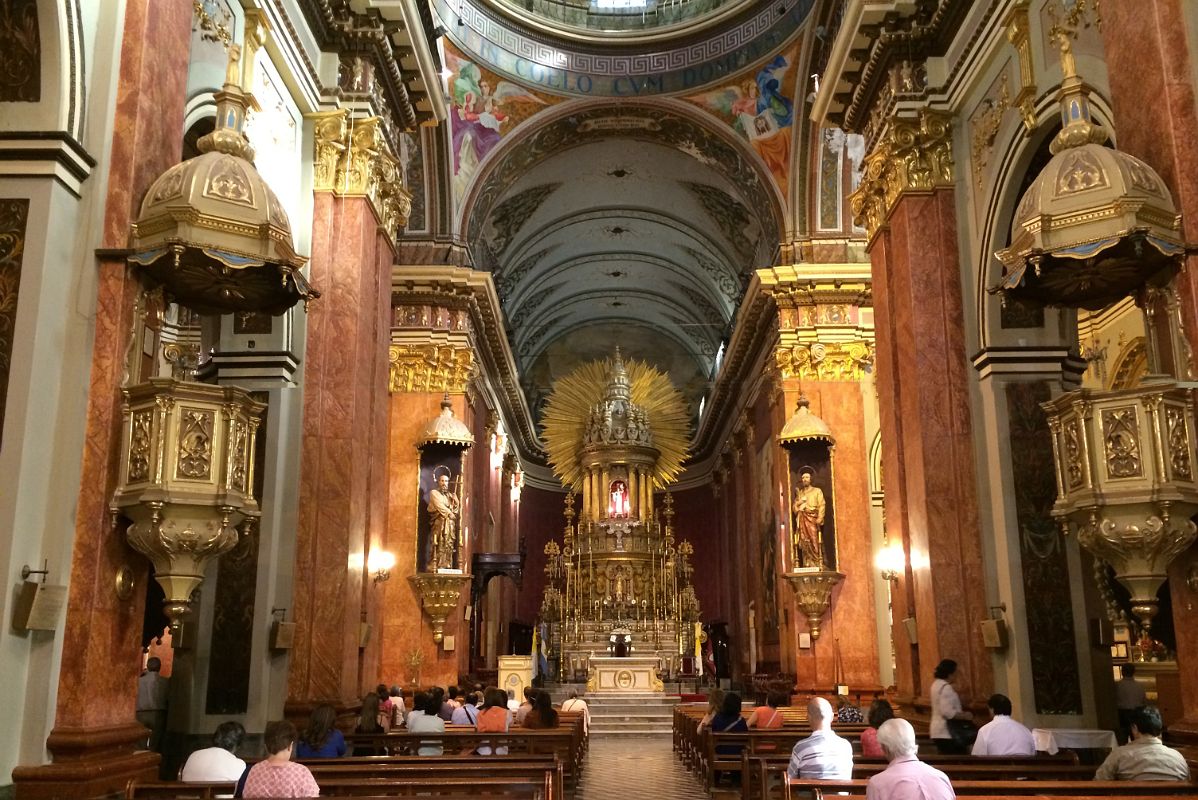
x,y
212,232
912,155
813,593
186,478
1097,223
439,596
576,395
619,570
1126,479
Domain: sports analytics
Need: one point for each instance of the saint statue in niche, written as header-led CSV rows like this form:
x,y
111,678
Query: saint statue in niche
x,y
444,507
809,508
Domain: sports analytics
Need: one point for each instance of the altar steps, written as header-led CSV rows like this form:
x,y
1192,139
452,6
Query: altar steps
x,y
631,714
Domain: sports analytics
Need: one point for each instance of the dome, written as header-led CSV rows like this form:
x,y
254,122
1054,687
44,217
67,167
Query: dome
x,y
1094,226
445,428
803,426
213,232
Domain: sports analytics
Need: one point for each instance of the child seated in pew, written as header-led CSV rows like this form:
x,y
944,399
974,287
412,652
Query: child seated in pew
x,y
715,701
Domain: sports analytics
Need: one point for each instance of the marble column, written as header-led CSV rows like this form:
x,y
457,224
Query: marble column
x,y
924,406
1150,53
343,475
93,741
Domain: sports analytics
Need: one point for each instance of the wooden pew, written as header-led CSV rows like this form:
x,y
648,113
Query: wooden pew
x,y
457,786
818,790
519,741
419,768
763,775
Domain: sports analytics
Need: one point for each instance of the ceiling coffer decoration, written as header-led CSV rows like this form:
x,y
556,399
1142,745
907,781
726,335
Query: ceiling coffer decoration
x,y
212,232
651,395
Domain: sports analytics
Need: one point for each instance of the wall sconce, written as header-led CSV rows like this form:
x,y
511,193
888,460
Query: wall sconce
x,y
891,562
379,564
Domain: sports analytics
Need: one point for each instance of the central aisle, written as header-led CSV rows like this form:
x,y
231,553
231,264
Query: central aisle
x,y
632,768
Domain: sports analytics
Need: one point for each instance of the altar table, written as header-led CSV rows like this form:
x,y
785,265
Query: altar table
x,y
1052,740
629,674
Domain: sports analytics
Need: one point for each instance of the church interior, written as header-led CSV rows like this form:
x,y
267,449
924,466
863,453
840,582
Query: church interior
x,y
627,347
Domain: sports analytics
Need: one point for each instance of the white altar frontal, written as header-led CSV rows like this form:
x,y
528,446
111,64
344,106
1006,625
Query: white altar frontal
x,y
631,674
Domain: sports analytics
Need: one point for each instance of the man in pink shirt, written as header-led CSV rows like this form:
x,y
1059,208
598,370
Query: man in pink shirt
x,y
906,778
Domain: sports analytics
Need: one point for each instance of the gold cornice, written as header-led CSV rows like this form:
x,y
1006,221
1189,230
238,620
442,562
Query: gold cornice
x,y
912,155
430,367
352,159
792,286
475,290
839,361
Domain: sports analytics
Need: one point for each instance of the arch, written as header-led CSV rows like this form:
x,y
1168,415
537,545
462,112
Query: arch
x,y
875,464
1131,365
662,121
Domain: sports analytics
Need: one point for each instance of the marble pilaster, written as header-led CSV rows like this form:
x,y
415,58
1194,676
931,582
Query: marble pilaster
x,y
93,743
343,476
923,391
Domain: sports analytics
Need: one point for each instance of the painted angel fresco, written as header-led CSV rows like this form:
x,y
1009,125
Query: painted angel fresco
x,y
761,110
483,110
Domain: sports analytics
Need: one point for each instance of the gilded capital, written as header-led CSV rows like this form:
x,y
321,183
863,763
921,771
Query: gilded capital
x,y
352,159
838,361
912,155
430,368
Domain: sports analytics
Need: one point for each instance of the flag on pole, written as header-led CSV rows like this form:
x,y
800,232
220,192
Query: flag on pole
x,y
536,632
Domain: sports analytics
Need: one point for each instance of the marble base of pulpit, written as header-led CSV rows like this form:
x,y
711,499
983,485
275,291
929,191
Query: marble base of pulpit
x,y
633,674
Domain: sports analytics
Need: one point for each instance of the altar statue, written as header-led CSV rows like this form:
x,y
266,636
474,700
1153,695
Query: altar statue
x,y
619,500
443,509
809,508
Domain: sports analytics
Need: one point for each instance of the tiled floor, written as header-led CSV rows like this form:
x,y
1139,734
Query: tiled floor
x,y
626,768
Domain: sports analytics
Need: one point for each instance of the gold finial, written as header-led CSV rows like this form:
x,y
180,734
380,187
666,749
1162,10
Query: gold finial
x,y
1077,125
231,106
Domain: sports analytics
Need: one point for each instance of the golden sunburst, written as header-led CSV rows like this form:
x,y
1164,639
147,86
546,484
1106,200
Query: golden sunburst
x,y
570,404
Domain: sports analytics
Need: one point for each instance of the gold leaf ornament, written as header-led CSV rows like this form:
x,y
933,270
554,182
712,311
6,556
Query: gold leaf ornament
x,y
573,397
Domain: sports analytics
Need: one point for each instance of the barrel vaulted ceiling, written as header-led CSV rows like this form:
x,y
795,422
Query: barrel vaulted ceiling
x,y
631,225
609,220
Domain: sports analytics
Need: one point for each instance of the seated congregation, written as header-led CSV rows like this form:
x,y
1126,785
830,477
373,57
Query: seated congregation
x,y
447,743
781,750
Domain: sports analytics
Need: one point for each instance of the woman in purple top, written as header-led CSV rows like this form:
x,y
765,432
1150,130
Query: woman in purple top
x,y
321,739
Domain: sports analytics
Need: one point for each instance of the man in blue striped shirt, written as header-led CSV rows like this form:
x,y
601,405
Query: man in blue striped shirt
x,y
823,755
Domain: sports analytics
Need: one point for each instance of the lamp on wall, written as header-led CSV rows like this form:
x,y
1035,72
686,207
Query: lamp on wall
x,y
891,562
379,564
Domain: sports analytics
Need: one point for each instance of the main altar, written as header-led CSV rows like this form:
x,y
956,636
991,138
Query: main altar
x,y
619,607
